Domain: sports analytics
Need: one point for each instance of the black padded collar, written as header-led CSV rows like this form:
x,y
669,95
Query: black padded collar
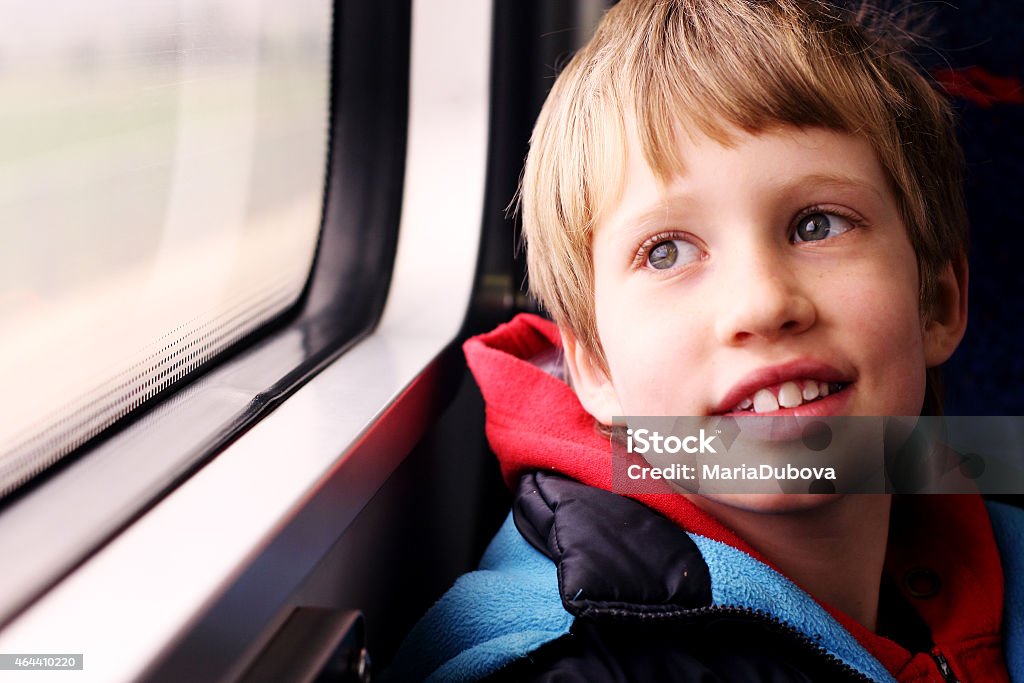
x,y
615,557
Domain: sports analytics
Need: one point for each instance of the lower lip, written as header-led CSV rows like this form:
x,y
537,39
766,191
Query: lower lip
x,y
774,426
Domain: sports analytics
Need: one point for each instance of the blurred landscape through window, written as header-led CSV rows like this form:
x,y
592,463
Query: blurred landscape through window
x,y
161,183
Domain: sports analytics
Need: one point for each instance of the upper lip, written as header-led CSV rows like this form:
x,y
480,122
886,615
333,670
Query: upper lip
x,y
803,368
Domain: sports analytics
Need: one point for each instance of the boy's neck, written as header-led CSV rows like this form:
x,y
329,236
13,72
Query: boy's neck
x,y
835,552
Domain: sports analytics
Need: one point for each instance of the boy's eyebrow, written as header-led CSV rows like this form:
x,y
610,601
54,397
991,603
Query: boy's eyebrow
x,y
676,201
838,180
669,206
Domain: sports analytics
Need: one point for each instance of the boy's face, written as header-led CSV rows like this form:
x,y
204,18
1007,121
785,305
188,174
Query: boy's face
x,y
767,274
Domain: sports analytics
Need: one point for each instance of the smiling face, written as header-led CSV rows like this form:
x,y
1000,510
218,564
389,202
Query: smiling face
x,y
773,275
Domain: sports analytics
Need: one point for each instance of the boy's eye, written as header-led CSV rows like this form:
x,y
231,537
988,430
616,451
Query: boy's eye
x,y
818,226
669,253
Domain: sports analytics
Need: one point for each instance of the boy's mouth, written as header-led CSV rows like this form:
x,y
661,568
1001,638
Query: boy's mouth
x,y
789,394
785,389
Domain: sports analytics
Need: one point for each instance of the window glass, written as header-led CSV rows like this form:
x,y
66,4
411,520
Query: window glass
x,y
161,185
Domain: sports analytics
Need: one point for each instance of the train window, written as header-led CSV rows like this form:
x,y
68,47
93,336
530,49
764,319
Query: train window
x,y
225,492
161,183
200,205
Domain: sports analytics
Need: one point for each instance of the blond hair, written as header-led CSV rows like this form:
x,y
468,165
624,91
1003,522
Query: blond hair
x,y
717,66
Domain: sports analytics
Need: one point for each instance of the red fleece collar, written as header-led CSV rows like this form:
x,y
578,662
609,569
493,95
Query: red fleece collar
x,y
535,422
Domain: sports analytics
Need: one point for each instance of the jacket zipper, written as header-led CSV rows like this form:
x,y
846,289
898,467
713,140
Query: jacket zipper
x,y
813,647
944,668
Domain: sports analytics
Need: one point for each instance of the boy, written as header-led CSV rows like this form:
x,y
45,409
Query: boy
x,y
732,207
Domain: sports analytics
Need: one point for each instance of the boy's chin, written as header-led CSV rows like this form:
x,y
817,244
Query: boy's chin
x,y
765,503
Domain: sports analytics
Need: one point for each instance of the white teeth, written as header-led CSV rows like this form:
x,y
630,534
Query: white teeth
x,y
745,404
764,402
789,395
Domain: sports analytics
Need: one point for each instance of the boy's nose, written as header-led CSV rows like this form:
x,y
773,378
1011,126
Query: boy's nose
x,y
766,302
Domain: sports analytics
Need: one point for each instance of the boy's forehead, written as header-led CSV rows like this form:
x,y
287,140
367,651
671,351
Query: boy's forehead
x,y
667,150
781,163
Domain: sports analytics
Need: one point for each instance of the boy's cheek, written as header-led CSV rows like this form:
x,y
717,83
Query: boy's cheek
x,y
658,362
